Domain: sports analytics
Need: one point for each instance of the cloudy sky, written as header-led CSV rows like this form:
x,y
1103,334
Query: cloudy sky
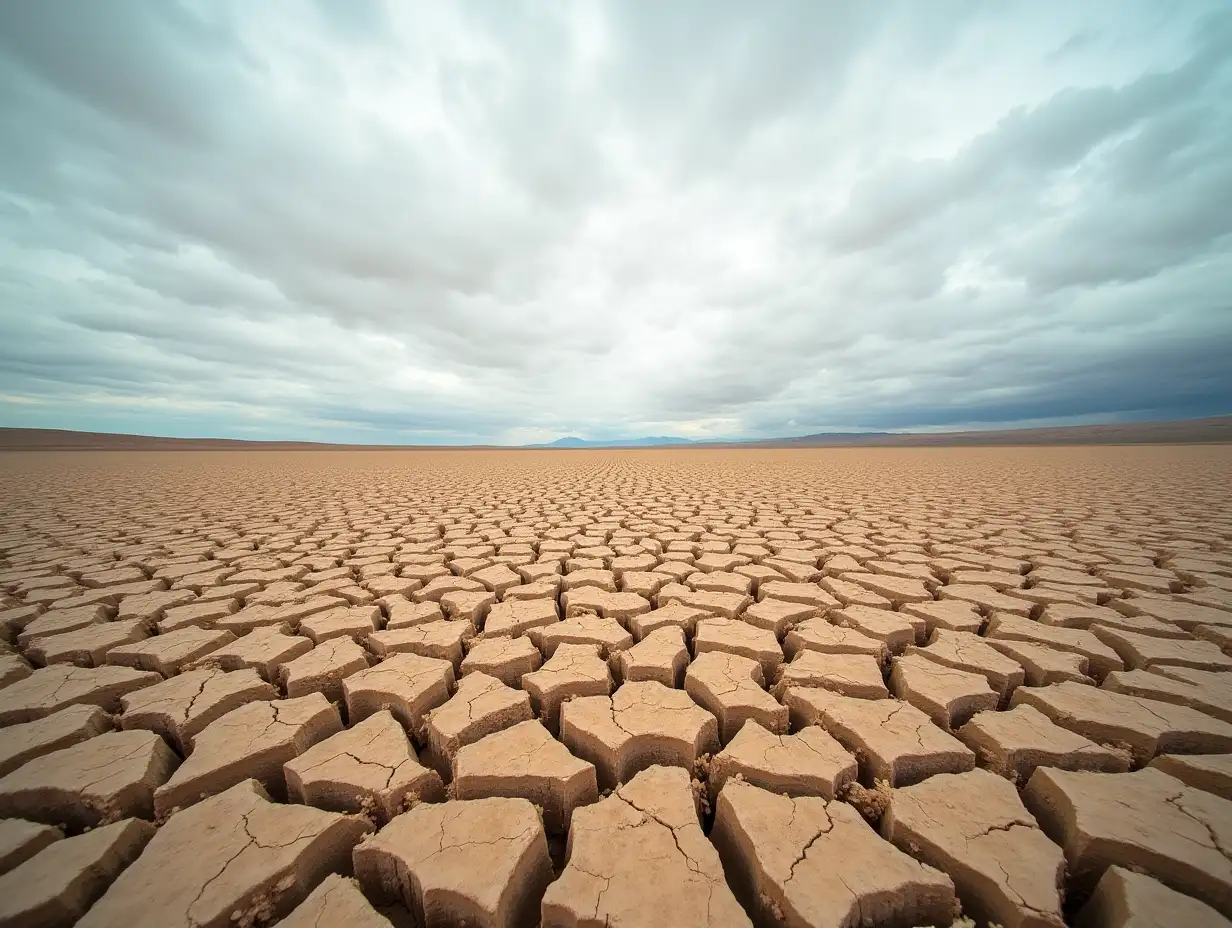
x,y
513,221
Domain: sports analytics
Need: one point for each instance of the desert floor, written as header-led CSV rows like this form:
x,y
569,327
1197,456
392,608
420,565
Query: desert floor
x,y
852,687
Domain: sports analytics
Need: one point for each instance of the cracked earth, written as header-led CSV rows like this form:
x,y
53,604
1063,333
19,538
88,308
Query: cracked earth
x,y
882,688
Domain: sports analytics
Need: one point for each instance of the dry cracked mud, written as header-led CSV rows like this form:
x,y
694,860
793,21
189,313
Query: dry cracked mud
x,y
810,687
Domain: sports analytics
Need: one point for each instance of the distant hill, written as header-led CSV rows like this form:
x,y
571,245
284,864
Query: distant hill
x,y
65,440
1213,430
572,441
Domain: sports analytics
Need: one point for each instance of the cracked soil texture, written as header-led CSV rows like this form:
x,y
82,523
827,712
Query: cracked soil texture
x,y
848,687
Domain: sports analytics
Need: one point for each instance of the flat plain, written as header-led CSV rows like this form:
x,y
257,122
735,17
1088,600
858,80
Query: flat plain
x,y
832,687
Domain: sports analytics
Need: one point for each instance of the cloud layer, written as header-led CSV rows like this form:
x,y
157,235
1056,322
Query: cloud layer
x,y
510,222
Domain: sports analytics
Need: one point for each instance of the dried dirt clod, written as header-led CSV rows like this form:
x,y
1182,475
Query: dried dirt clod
x,y
1014,742
805,861
1003,581
50,689
478,861
819,634
370,767
1175,833
870,801
195,614
1210,693
1209,772
945,694
468,606
1218,635
591,600
964,651
638,857
731,688
293,613
802,594
1146,726
1185,615
389,585
719,581
950,614
15,618
986,598
898,590
336,901
251,742
20,840
777,615
722,605
625,565
642,724
735,636
58,885
88,646
168,654
1082,615
506,659
893,740
436,589
526,762
408,685
974,827
13,667
444,640
324,669
1125,899
100,780
1141,652
849,593
547,588
808,763
235,859
353,621
480,706
265,650
718,561
514,617
674,614
608,635
1042,665
28,740
180,707
573,670
497,579
403,613
152,606
660,656
255,616
597,577
795,571
898,630
644,583
849,674
59,621
1101,659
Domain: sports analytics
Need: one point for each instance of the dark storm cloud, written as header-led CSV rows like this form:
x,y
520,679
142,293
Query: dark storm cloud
x,y
507,222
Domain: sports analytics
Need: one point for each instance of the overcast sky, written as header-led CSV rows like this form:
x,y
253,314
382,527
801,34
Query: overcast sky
x,y
513,221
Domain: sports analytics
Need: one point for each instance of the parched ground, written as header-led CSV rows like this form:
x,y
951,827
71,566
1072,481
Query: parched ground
x,y
853,687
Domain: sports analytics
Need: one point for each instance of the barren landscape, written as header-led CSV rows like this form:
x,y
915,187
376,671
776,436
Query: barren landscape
x,y
829,687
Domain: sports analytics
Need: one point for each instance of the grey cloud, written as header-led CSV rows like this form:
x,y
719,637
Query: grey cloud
x,y
495,222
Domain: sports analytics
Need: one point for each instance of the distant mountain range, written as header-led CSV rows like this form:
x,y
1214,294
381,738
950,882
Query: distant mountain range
x,y
654,441
1212,430
572,441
